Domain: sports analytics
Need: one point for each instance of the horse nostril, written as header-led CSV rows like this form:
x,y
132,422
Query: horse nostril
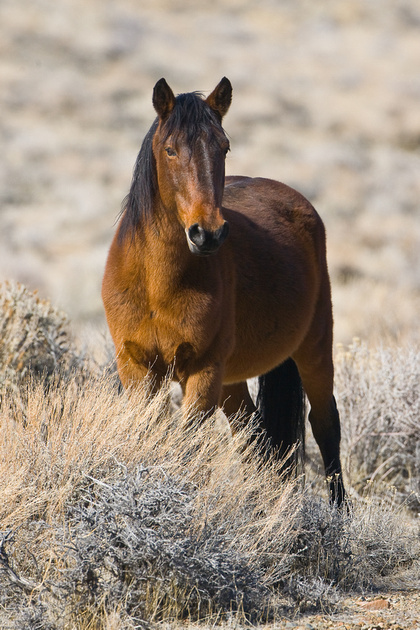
x,y
197,235
201,241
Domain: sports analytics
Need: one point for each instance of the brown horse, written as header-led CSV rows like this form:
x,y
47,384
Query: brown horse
x,y
222,279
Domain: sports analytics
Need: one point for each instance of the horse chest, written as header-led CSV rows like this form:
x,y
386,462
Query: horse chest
x,y
179,331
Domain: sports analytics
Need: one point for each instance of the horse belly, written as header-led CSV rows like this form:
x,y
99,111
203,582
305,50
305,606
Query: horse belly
x,y
254,359
269,329
277,247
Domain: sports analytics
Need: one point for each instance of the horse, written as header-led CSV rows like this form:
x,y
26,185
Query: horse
x,y
221,279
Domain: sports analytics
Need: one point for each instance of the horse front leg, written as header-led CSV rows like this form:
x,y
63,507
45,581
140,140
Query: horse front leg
x,y
135,372
202,391
236,400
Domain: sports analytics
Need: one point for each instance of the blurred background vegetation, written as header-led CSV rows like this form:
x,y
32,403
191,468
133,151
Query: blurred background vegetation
x,y
325,99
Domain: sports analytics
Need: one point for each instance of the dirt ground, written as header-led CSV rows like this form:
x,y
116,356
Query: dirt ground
x,y
325,99
391,611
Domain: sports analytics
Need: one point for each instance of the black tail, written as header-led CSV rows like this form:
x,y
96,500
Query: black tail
x,y
281,404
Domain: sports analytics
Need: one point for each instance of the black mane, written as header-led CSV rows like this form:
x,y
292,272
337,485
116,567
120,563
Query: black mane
x,y
191,116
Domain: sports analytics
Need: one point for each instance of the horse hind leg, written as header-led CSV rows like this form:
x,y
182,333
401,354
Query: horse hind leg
x,y
317,378
281,406
236,400
327,433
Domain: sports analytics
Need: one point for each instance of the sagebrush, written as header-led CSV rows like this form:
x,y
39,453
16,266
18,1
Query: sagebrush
x,y
35,338
379,397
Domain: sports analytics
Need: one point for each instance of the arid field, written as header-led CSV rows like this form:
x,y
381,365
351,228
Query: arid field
x,y
115,515
325,99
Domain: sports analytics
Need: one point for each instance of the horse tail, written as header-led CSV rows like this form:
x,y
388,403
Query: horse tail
x,y
281,405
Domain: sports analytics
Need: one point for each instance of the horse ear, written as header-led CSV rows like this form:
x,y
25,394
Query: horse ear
x,y
221,97
163,99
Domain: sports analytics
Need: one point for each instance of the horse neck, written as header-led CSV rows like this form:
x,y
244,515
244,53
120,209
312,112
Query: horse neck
x,y
164,248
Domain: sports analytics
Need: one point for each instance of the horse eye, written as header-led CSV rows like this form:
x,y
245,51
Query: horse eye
x,y
226,150
170,151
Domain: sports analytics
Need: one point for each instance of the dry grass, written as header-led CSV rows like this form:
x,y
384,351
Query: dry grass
x,y
116,514
120,501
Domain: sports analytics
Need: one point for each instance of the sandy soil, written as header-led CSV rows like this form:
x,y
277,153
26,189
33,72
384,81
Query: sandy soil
x,y
395,611
326,98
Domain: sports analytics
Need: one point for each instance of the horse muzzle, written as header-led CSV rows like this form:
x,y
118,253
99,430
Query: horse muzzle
x,y
204,242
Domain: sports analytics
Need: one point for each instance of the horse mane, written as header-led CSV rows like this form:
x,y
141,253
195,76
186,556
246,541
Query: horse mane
x,y
191,116
139,201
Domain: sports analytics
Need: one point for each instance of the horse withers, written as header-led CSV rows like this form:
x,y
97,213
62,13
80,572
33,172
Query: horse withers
x,y
221,279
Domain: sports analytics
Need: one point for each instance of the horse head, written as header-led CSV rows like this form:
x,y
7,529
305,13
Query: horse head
x,y
190,148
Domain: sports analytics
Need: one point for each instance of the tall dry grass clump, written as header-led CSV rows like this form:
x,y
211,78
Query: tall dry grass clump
x,y
116,512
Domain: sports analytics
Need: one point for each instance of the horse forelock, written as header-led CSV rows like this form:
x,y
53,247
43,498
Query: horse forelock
x,y
190,118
